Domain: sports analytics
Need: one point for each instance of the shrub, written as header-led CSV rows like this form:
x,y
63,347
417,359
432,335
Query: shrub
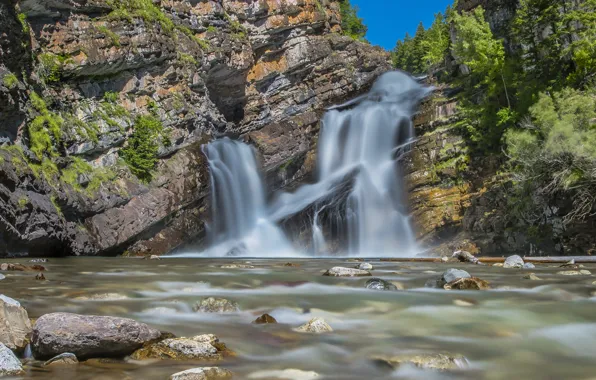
x,y
10,81
42,125
141,152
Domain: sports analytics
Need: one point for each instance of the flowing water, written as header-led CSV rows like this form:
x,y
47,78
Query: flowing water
x,y
522,329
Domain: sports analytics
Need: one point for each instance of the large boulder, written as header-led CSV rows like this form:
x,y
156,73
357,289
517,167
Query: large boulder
x,y
514,261
15,326
201,347
203,373
88,336
9,364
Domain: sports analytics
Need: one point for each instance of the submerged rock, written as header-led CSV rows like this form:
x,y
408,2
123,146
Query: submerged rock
x,y
582,272
203,373
439,362
472,283
514,261
200,347
216,305
264,319
286,374
315,326
15,326
63,359
532,276
102,297
379,284
451,275
10,365
154,257
237,266
88,336
346,272
40,276
528,266
365,266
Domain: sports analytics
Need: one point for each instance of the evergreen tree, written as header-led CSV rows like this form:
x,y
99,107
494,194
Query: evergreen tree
x,y
435,45
351,24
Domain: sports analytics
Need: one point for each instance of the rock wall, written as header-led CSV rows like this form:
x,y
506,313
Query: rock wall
x,y
76,75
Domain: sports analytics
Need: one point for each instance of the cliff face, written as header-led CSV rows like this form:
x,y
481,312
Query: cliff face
x,y
78,76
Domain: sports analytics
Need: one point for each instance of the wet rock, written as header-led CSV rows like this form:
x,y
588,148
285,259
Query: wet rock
x,y
63,359
315,326
2,277
514,261
39,261
203,373
472,283
532,276
444,259
286,374
237,266
439,362
40,276
497,264
154,257
528,266
466,257
102,297
9,364
465,303
582,272
200,347
365,266
160,310
293,265
451,275
21,268
15,326
88,335
346,272
264,319
379,284
216,305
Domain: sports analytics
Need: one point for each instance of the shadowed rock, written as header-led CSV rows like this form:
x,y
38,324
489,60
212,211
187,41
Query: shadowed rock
x,y
9,364
264,319
63,359
472,283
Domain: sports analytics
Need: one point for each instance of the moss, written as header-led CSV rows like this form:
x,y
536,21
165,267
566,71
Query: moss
x,y
211,29
85,130
47,169
110,34
23,201
10,81
42,125
144,9
178,101
111,96
24,25
186,59
50,66
141,153
56,205
286,164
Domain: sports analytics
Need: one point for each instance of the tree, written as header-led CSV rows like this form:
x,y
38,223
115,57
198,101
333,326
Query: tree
x,y
408,54
351,24
436,42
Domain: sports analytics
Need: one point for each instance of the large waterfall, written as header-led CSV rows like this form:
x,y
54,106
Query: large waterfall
x,y
361,141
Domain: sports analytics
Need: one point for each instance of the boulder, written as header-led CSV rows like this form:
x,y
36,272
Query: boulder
x,y
315,326
88,336
346,272
216,305
451,275
200,347
379,284
203,373
15,326
472,283
438,362
63,359
9,364
528,266
466,257
514,261
264,319
286,374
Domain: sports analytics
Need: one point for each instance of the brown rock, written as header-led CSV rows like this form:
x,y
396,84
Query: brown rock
x,y
264,319
15,326
472,283
203,373
201,347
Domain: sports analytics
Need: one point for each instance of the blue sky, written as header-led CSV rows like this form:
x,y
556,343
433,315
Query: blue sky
x,y
389,20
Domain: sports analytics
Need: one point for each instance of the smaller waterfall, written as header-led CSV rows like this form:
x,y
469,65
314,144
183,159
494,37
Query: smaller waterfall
x,y
318,239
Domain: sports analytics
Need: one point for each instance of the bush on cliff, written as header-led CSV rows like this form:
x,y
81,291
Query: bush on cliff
x,y
351,24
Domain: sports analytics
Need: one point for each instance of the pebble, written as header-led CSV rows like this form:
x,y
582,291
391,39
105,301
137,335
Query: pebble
x,y
514,261
315,326
203,373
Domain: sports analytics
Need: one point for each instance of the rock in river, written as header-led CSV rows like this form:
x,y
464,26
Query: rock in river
x,y
365,266
88,336
203,373
9,364
514,261
439,362
63,359
451,275
15,326
264,319
286,374
528,266
472,283
200,347
2,277
346,272
315,326
216,305
582,272
379,284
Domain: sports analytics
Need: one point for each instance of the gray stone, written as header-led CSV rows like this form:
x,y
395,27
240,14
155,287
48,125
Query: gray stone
x,y
451,275
365,266
286,374
2,277
88,336
203,373
200,347
528,266
216,305
582,272
315,326
379,284
346,272
437,362
63,359
9,364
532,276
514,261
15,326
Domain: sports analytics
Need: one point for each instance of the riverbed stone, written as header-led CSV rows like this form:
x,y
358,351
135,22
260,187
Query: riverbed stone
x,y
63,359
380,284
2,277
265,319
88,336
10,365
15,326
216,305
466,257
346,272
365,266
532,276
203,373
200,347
582,272
102,297
528,266
451,275
472,283
286,374
438,362
315,326
514,261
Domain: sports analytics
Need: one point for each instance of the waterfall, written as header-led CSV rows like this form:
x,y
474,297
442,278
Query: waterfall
x,y
359,182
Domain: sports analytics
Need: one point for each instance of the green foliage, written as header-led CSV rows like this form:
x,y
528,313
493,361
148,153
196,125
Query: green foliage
x,y
80,172
436,42
141,153
110,34
351,25
211,29
56,205
47,169
43,128
111,97
23,201
24,25
187,59
50,66
10,81
144,9
409,54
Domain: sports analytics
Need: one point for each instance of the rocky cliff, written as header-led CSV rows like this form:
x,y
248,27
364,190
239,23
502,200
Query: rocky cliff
x,y
88,87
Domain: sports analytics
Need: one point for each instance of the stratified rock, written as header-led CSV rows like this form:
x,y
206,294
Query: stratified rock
x,y
264,319
472,283
379,284
346,272
63,359
286,374
514,261
465,256
200,347
582,272
365,266
15,326
528,266
216,305
9,364
203,373
451,275
439,362
88,335
315,326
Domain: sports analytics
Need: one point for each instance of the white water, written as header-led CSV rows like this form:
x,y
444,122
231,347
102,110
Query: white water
x,y
364,142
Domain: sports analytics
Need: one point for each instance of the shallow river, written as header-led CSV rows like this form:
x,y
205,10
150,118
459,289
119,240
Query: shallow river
x,y
523,329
